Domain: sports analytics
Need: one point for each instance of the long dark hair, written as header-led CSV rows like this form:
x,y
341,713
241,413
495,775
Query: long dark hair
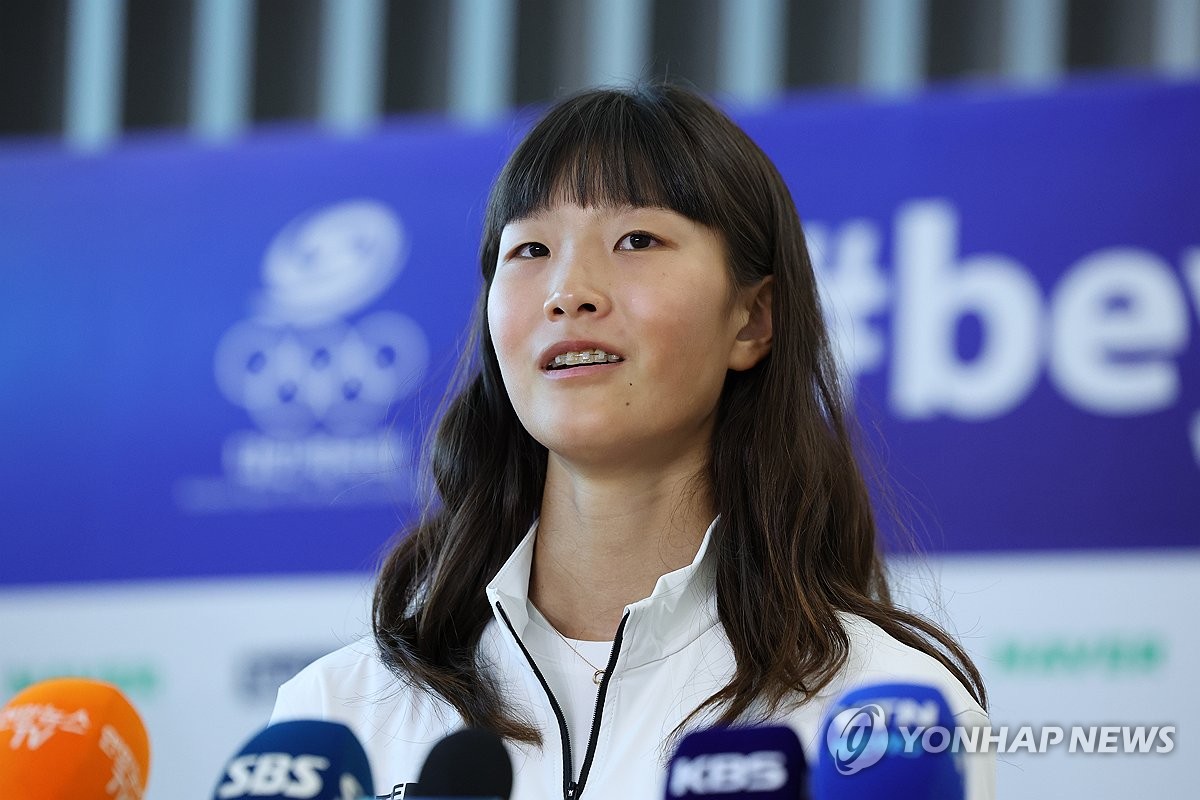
x,y
796,539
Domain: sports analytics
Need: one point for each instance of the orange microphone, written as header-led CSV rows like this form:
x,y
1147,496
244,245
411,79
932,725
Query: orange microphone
x,y
72,738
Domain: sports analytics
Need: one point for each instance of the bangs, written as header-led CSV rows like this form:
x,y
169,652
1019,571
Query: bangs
x,y
608,149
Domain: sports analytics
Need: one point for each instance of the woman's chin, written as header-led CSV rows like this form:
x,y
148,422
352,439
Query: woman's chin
x,y
587,445
629,451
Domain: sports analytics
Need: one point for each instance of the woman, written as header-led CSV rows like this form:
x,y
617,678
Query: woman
x,y
651,518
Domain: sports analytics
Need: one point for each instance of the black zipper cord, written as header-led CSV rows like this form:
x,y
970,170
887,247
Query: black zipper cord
x,y
599,711
568,783
571,789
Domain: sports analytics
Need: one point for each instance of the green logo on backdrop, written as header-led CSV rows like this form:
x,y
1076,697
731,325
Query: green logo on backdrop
x,y
1114,656
140,681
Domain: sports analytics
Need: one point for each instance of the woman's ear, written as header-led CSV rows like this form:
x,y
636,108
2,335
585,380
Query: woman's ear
x,y
754,339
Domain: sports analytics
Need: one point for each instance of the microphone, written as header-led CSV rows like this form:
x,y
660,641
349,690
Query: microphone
x,y
72,738
761,762
889,740
468,763
310,759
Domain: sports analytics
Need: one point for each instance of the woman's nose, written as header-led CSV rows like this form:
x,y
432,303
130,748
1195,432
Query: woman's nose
x,y
576,303
576,292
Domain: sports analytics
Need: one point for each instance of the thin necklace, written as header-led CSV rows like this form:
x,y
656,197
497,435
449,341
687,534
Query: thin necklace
x,y
598,675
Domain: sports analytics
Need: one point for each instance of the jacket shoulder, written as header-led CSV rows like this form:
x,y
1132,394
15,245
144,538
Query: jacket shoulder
x,y
334,682
353,686
875,657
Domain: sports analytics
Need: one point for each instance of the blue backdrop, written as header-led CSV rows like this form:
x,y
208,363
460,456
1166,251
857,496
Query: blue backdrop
x,y
222,360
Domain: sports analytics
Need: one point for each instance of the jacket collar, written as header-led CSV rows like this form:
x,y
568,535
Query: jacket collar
x,y
681,607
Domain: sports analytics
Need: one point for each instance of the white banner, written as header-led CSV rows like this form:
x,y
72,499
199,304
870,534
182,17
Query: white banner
x,y
1062,639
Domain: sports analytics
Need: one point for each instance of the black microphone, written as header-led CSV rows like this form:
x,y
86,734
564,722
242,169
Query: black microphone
x,y
468,763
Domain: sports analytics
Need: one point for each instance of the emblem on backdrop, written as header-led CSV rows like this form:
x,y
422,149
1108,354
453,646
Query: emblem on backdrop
x,y
317,371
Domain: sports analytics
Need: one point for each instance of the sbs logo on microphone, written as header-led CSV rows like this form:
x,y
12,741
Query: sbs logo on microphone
x,y
282,775
857,738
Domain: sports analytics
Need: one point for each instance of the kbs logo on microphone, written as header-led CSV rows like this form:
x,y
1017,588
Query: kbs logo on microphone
x,y
284,775
861,736
726,773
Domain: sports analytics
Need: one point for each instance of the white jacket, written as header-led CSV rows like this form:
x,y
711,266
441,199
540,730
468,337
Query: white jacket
x,y
672,655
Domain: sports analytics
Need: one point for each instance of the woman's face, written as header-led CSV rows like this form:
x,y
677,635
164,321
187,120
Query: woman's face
x,y
647,288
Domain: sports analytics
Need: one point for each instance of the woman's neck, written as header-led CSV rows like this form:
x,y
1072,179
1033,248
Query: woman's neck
x,y
604,539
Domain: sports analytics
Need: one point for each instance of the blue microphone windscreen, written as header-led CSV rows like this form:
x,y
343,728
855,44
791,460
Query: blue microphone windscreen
x,y
308,759
761,762
889,740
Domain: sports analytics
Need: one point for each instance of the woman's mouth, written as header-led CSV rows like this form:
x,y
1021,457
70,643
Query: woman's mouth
x,y
576,358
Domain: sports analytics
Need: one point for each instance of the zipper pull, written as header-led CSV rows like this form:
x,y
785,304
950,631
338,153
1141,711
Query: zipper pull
x,y
569,793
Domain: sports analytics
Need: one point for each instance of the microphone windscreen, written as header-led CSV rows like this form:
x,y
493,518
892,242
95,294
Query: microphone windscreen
x,y
311,759
72,738
467,763
763,762
889,740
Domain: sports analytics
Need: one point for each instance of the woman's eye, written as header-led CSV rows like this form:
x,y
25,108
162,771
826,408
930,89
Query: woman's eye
x,y
532,250
637,241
